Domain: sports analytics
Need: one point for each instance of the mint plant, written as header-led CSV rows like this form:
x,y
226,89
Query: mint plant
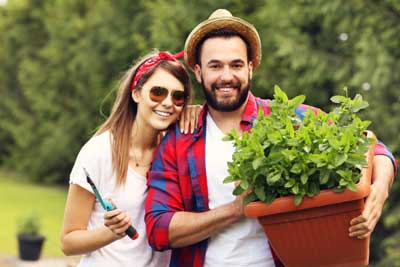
x,y
284,155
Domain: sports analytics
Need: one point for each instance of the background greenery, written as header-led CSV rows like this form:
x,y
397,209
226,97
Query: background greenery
x,y
24,198
60,58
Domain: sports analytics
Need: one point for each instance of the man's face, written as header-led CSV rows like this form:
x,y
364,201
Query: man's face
x,y
224,72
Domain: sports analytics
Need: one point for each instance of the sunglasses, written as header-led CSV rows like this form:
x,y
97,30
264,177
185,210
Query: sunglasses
x,y
158,94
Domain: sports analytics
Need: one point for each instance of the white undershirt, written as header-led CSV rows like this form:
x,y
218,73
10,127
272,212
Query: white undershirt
x,y
243,243
95,157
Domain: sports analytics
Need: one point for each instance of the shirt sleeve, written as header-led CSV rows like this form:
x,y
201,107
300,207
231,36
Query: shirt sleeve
x,y
164,196
382,149
86,159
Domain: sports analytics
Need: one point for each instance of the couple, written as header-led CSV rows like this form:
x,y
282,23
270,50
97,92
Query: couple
x,y
187,208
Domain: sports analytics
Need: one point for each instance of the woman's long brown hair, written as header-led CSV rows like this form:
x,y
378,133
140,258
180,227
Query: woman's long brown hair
x,y
124,111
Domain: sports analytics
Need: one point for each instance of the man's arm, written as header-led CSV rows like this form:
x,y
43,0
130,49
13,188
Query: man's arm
x,y
187,228
168,223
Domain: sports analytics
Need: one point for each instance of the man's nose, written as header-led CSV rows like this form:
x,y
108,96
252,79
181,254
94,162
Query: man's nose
x,y
227,74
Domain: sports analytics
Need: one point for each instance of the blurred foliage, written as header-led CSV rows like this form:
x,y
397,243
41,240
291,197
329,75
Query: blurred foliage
x,y
59,59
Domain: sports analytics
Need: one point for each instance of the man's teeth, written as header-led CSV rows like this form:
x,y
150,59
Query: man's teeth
x,y
225,89
161,113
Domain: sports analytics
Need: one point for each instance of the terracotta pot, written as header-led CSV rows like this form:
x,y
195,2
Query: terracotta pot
x,y
315,233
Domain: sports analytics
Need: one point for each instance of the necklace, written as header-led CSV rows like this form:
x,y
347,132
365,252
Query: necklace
x,y
137,164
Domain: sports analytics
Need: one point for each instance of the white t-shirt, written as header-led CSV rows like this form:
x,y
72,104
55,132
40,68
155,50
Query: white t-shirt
x,y
243,243
95,157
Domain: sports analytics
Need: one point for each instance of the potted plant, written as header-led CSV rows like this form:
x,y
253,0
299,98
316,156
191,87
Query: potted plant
x,y
30,241
307,179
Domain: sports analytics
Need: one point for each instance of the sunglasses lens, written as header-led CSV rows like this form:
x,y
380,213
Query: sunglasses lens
x,y
158,94
178,98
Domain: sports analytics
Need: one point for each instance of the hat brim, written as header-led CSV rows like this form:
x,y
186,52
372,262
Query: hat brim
x,y
242,27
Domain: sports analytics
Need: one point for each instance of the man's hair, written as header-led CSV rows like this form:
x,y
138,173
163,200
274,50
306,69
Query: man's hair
x,y
224,33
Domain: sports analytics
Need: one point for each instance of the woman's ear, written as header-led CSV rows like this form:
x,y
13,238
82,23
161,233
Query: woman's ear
x,y
135,95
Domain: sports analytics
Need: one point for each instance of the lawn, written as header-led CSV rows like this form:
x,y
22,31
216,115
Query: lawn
x,y
19,198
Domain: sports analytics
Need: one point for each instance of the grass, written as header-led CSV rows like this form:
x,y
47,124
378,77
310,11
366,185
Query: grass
x,y
20,198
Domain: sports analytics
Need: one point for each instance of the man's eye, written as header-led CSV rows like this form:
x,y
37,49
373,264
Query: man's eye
x,y
237,66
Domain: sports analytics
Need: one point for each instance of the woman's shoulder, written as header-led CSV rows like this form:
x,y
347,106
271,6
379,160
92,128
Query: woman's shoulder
x,y
99,144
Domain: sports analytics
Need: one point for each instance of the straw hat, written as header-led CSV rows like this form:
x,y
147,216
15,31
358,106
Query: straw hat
x,y
222,18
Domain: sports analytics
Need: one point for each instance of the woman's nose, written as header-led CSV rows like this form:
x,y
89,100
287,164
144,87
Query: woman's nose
x,y
167,101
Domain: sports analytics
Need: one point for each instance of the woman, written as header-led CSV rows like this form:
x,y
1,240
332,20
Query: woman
x,y
151,96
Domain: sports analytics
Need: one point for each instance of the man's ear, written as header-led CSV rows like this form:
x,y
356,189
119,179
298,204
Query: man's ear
x,y
250,69
135,95
197,72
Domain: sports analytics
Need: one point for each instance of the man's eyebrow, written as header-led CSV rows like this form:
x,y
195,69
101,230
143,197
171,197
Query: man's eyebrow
x,y
213,61
235,61
238,61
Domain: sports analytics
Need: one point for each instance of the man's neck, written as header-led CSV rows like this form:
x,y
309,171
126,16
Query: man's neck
x,y
226,121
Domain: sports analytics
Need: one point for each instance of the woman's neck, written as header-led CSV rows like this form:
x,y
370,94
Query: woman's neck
x,y
144,138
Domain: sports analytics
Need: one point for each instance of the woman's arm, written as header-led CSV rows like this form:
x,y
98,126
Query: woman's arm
x,y
75,237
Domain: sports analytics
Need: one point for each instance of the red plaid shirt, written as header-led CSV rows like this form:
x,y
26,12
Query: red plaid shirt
x,y
178,182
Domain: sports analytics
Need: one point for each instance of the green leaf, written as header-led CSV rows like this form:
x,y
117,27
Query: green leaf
x,y
296,168
338,189
296,101
257,163
290,183
231,135
244,184
339,159
304,178
295,189
298,199
338,99
324,177
250,198
279,94
272,179
238,190
259,191
313,190
352,187
229,179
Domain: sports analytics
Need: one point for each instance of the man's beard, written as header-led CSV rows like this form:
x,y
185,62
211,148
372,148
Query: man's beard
x,y
226,106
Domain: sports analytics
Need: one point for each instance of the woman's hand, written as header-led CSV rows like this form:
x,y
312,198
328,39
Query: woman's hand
x,y
189,117
117,221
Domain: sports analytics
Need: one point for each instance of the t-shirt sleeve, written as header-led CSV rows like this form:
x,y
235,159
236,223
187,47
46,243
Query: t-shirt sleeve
x,y
88,159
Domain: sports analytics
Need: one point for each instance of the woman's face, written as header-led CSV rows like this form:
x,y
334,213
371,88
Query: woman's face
x,y
157,109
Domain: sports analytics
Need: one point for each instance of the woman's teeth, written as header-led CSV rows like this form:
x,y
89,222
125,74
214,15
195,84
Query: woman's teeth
x,y
163,114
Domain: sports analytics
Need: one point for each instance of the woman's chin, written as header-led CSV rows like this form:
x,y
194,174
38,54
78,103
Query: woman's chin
x,y
161,126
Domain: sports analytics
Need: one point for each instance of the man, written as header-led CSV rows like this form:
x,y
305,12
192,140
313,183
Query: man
x,y
188,208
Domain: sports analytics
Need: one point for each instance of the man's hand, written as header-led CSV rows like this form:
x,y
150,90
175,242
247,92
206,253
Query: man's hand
x,y
382,178
188,118
363,225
